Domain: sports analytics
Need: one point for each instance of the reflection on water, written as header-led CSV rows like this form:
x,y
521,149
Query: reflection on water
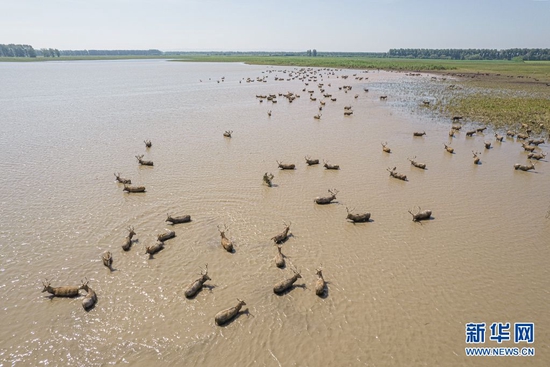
x,y
399,293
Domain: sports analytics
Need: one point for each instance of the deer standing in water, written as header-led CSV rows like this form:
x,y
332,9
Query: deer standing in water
x,y
227,244
320,284
197,284
128,240
65,291
90,299
225,315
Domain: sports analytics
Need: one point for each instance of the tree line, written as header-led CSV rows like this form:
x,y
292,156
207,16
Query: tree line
x,y
528,54
13,50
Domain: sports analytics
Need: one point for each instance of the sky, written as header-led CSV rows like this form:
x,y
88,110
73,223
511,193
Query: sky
x,y
279,25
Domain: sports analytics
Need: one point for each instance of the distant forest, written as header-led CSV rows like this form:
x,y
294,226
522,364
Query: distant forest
x,y
517,54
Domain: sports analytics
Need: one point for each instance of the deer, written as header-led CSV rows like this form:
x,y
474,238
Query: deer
x,y
536,142
122,180
128,240
477,160
320,284
142,162
228,133
347,108
499,138
416,133
283,236
269,113
510,133
197,284
177,220
537,156
166,235
481,129
107,258
283,285
65,291
90,299
279,258
421,215
383,98
522,167
357,218
457,118
226,315
227,244
417,164
470,133
268,177
448,148
133,189
327,165
522,136
385,147
317,117
487,144
151,250
286,166
425,103
348,113
311,162
326,199
452,133
395,174
148,143
528,148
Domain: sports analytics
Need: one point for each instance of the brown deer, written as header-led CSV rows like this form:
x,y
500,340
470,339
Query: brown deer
x,y
510,133
128,240
107,258
448,148
317,117
279,258
347,108
166,235
452,133
528,148
330,166
227,244
357,218
470,133
148,143
268,177
197,284
417,164
421,215
522,136
416,133
133,189
522,167
286,166
320,284
177,220
283,236
536,142
383,98
283,285
269,113
228,133
385,147
348,113
481,129
226,315
477,160
537,156
151,250
326,199
499,138
142,162
487,144
66,291
311,162
395,174
90,299
122,180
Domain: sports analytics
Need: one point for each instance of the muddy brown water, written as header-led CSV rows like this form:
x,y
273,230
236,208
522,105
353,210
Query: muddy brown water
x,y
399,293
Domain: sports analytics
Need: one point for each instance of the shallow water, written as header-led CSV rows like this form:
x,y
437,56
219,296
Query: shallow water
x,y
399,293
